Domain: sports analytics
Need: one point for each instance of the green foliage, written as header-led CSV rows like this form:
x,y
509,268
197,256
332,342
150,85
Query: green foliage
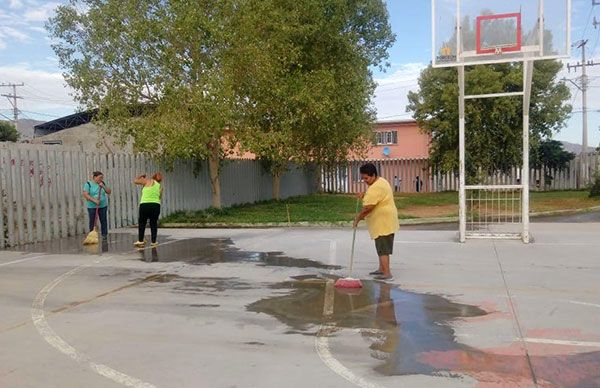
x,y
306,84
595,189
8,132
551,154
493,126
287,80
157,71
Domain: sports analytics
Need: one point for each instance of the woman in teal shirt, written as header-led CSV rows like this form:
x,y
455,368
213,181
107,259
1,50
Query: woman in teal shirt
x,y
96,193
149,206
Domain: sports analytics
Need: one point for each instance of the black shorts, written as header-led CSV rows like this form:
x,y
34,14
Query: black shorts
x,y
385,245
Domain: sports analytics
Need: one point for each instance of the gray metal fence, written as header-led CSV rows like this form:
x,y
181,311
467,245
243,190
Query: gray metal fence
x,y
41,188
415,175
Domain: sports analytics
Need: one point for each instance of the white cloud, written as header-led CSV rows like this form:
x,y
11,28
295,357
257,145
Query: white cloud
x,y
9,32
14,4
38,29
392,90
40,13
44,92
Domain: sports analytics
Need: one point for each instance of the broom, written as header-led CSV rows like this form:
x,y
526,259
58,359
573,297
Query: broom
x,y
350,282
92,237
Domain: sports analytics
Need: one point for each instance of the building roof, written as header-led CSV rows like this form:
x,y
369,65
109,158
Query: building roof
x,y
396,121
66,122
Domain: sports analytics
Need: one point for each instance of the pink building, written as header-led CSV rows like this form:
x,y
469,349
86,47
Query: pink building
x,y
399,140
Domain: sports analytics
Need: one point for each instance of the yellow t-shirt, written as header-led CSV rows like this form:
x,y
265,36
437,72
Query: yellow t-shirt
x,y
383,220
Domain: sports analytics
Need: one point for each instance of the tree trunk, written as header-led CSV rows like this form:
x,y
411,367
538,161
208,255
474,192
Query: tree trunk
x,y
276,185
213,171
319,178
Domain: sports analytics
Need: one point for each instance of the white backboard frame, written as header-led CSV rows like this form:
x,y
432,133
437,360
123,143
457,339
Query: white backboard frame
x,y
467,57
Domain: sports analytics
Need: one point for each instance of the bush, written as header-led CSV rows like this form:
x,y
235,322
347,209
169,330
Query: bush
x,y
595,190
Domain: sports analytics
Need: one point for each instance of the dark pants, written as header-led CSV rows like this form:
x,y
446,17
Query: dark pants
x,y
148,211
102,216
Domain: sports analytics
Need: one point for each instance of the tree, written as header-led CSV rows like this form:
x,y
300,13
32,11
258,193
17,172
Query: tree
x,y
307,88
288,81
493,126
550,155
158,72
8,132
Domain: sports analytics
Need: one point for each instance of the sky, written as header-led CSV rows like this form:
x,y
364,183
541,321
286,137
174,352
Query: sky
x,y
26,56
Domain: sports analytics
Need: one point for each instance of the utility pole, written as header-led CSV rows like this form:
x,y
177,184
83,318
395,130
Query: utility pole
x,y
583,88
14,101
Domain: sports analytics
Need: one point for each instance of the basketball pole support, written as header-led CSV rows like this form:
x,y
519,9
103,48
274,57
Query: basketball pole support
x,y
527,81
462,193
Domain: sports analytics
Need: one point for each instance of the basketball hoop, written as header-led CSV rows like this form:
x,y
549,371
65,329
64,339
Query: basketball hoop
x,y
475,32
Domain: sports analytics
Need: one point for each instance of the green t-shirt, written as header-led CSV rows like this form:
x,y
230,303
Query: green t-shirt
x,y
93,189
151,194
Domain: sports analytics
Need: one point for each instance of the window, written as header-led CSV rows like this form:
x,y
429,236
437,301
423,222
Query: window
x,y
52,142
387,137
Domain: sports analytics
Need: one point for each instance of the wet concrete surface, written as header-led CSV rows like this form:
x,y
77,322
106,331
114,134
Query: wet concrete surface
x,y
115,243
206,283
193,251
213,251
412,334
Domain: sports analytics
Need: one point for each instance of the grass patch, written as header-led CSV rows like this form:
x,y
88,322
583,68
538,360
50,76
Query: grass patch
x,y
338,207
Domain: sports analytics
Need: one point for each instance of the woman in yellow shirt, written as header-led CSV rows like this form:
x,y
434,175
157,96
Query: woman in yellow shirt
x,y
149,207
381,214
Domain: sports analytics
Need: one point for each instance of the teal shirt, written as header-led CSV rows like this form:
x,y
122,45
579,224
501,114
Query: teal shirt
x,y
93,188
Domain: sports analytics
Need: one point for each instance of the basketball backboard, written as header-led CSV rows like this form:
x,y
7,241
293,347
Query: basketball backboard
x,y
471,32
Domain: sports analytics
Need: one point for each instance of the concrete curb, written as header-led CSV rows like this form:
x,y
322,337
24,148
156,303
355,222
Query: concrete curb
x,y
339,224
345,224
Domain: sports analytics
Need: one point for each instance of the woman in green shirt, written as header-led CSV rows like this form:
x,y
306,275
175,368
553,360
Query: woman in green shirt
x,y
149,206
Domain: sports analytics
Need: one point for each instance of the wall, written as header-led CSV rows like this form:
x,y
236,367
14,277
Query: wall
x,y
41,188
85,137
412,143
346,179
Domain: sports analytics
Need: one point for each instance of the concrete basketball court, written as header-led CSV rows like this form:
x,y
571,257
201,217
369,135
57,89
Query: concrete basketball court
x,y
256,308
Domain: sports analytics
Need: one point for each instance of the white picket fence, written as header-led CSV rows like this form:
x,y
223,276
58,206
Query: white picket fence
x,y
406,173
41,188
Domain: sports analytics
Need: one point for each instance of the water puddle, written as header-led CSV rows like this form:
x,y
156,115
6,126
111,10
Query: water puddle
x,y
222,250
114,244
409,333
193,251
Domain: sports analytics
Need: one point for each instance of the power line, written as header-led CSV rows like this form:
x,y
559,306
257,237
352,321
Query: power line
x,y
41,114
588,21
39,95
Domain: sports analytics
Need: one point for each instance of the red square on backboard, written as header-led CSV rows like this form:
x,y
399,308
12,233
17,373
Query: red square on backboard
x,y
504,48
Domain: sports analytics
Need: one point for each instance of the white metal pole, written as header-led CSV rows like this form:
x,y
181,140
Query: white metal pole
x,y
527,80
462,213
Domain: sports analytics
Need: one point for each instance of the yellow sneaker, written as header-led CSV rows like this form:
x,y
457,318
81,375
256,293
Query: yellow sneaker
x,y
139,244
154,244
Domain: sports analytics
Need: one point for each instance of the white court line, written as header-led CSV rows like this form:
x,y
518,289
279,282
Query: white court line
x,y
587,344
38,317
322,348
22,260
39,320
547,341
322,345
585,304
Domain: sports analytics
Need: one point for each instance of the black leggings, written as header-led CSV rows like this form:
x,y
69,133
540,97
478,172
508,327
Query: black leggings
x,y
148,211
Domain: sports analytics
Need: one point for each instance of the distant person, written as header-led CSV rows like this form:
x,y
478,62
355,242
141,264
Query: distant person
x,y
96,193
149,207
418,184
381,214
396,184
